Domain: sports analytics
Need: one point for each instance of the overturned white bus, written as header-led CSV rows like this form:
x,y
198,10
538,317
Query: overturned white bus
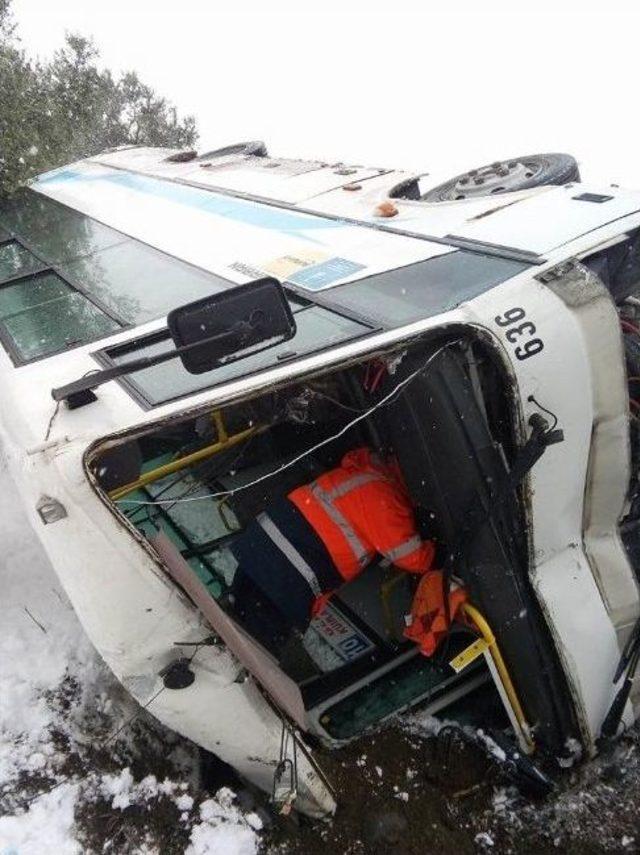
x,y
485,331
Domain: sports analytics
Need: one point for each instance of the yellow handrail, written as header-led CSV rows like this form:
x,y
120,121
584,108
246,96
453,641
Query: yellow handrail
x,y
221,428
486,632
223,442
386,589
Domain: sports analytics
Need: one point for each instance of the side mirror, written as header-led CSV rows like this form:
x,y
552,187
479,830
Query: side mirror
x,y
231,323
215,330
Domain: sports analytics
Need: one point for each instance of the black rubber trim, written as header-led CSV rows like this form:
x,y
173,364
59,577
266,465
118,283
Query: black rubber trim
x,y
509,253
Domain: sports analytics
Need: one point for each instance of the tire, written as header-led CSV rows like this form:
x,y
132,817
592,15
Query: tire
x,y
182,156
256,148
407,189
507,176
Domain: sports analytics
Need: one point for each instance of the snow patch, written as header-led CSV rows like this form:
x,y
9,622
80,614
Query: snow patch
x,y
184,802
223,828
118,789
46,827
41,641
573,754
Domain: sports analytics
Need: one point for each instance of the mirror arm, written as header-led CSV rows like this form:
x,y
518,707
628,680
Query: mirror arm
x,y
80,391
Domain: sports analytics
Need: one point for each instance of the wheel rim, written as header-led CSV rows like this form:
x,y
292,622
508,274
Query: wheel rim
x,y
501,176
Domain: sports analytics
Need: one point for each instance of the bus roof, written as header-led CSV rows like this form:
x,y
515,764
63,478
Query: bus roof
x,y
94,255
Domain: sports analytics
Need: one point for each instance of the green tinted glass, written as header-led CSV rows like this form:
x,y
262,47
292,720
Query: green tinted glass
x,y
140,283
54,231
42,314
33,291
134,282
15,260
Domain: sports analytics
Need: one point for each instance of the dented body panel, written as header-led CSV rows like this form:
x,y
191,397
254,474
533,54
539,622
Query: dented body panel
x,y
239,220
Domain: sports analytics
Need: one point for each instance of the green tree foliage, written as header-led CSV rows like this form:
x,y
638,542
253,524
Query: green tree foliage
x,y
67,108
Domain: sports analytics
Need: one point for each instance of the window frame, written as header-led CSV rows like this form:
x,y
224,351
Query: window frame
x,y
13,239
6,338
104,358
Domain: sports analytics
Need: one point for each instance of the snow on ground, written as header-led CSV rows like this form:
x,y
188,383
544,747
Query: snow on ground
x,y
66,786
46,827
40,640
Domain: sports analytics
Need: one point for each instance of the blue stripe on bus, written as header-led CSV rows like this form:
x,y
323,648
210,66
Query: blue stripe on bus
x,y
250,213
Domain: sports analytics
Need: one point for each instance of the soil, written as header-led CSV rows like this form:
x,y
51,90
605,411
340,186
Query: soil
x,y
400,790
403,794
399,794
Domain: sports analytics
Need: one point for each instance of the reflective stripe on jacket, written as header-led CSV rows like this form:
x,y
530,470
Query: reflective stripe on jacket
x,y
362,508
286,560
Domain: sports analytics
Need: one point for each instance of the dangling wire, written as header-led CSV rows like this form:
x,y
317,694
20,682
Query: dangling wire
x,y
629,327
210,472
51,421
390,396
286,765
544,410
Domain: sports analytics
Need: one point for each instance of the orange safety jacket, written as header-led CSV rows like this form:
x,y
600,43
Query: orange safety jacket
x,y
427,624
362,508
